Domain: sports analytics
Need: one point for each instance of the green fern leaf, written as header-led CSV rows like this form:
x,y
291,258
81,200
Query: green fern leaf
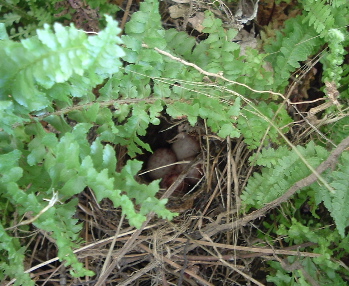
x,y
136,125
299,44
9,19
278,177
9,116
334,59
173,37
320,15
145,25
337,203
38,63
270,157
13,264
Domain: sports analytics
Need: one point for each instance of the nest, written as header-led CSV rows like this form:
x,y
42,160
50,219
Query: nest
x,y
190,250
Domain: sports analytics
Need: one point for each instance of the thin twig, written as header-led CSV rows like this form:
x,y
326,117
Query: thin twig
x,y
111,248
139,273
177,266
229,183
124,17
215,75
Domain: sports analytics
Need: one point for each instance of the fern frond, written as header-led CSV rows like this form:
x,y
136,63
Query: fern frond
x,y
320,15
103,6
145,25
10,248
72,160
280,174
69,165
334,59
30,13
10,19
38,63
12,254
300,43
337,203
329,19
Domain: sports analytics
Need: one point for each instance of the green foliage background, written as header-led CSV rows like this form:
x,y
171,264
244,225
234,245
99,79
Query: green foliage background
x,y
48,73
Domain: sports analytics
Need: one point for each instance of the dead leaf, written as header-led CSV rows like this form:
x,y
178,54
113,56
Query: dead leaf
x,y
178,11
181,1
197,20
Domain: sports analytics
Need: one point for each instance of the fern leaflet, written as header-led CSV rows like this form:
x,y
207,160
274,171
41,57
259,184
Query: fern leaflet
x,y
280,174
337,203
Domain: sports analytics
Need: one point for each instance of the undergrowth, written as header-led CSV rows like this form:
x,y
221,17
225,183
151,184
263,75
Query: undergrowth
x,y
49,76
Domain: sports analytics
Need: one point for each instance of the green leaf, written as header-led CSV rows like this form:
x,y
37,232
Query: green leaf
x,y
234,110
281,173
291,51
55,57
74,185
58,123
109,159
3,32
9,117
9,170
178,109
337,203
230,130
104,49
13,266
145,25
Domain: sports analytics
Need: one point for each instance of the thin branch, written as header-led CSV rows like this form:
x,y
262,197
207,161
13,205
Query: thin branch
x,y
125,16
111,248
215,75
